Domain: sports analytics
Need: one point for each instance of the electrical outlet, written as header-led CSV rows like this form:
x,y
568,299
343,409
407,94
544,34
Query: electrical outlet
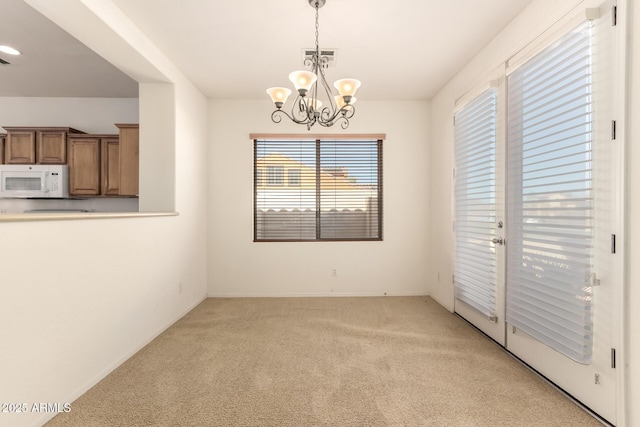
x,y
180,287
334,272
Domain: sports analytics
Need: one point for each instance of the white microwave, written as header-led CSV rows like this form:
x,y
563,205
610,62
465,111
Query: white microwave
x,y
37,181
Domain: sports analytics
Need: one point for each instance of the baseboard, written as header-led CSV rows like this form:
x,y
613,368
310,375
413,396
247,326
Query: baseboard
x,y
95,380
317,294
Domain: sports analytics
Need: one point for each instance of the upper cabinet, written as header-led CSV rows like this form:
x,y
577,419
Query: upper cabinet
x,y
51,145
99,164
2,138
20,146
84,165
37,145
110,166
129,159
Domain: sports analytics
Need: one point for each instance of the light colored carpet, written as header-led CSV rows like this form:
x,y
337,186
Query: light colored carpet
x,y
388,361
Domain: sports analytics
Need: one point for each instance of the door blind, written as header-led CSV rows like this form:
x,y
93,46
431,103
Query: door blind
x,y
475,203
550,194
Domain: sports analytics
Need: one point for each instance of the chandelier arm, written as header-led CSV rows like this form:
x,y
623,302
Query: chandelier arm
x,y
303,115
325,115
327,88
345,113
344,122
301,111
275,115
348,111
276,118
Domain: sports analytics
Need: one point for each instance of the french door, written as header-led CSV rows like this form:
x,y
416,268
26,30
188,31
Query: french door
x,y
479,223
535,215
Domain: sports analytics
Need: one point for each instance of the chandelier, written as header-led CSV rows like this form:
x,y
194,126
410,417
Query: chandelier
x,y
308,109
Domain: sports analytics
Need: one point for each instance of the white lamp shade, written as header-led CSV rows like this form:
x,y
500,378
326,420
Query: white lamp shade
x,y
279,94
340,101
347,87
303,79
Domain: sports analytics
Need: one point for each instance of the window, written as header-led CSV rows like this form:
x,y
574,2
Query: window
x,y
275,175
333,191
294,177
259,178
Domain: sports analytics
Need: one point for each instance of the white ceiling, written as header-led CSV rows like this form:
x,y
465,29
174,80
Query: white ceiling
x,y
53,64
400,49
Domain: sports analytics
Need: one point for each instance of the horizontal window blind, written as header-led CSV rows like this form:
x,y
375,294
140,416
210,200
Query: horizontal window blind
x,y
475,203
550,208
317,190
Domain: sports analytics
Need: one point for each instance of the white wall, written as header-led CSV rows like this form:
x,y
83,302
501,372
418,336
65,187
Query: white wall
x,y
537,17
80,297
395,266
157,173
90,115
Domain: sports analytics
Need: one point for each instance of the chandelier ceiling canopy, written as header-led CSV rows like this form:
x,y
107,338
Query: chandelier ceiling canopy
x,y
308,109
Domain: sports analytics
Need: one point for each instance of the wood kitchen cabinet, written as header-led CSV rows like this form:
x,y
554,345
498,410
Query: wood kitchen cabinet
x,y
129,159
51,146
99,165
110,166
20,146
37,145
84,165
2,137
94,165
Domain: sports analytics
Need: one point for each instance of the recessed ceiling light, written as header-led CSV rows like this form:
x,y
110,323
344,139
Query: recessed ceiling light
x,y
9,50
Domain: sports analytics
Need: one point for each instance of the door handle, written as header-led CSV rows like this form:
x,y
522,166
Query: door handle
x,y
498,240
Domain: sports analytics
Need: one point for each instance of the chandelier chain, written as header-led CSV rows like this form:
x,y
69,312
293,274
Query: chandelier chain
x,y
317,30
